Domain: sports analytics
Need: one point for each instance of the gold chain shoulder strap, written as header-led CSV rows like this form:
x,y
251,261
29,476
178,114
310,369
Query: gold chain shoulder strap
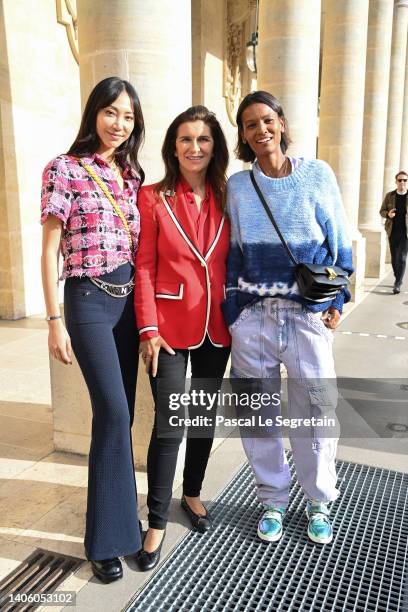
x,y
111,199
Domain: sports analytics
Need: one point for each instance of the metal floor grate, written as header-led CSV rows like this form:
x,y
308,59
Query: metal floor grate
x,y
41,572
363,569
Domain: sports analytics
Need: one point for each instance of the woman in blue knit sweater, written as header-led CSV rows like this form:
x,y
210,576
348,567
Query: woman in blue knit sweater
x,y
271,323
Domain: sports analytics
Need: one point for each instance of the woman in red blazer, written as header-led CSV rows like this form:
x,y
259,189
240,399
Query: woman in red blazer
x,y
180,284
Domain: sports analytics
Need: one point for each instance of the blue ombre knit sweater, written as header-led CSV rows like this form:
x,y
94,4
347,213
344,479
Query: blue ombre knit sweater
x,y
309,212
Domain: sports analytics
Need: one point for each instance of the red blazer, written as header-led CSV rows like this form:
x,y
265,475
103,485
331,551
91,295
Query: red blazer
x,y
178,289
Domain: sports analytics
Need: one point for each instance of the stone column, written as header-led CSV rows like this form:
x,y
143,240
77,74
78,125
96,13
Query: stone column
x,y
218,75
396,94
374,133
288,65
149,44
404,134
342,110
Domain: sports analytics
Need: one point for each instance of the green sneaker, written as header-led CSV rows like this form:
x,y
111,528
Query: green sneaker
x,y
319,528
270,524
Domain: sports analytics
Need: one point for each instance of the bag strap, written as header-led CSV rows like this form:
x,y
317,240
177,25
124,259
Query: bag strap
x,y
271,217
110,197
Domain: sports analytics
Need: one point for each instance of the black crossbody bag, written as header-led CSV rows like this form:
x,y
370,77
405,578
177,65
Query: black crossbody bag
x,y
316,283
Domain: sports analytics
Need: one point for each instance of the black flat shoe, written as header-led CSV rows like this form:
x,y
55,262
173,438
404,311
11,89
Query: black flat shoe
x,y
148,560
199,523
107,570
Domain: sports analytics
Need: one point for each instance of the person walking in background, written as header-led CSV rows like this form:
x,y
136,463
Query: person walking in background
x,y
180,283
269,321
89,214
394,210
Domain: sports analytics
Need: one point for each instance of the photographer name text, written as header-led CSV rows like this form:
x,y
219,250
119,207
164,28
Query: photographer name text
x,y
255,420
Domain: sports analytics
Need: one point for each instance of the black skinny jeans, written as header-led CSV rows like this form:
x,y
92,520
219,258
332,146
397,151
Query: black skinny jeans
x,y
207,362
105,342
398,249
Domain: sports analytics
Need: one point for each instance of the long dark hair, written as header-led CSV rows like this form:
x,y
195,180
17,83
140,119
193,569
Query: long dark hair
x,y
217,168
87,141
243,150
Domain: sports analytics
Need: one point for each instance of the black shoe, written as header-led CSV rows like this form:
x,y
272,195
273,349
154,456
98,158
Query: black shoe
x,y
199,523
396,289
107,570
148,560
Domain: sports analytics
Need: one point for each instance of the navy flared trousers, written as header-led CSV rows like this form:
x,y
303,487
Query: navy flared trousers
x,y
105,342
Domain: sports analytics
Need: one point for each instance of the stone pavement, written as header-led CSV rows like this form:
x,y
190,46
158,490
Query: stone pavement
x,y
43,493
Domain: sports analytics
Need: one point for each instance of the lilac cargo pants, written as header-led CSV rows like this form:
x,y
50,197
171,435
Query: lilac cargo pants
x,y
266,334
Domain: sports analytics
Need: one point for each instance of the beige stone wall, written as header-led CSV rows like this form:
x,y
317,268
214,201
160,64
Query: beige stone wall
x,y
12,300
39,110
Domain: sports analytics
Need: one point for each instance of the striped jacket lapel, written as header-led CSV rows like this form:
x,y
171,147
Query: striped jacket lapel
x,y
182,223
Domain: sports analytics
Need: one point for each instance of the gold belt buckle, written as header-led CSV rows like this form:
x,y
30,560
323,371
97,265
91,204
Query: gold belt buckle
x,y
331,273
